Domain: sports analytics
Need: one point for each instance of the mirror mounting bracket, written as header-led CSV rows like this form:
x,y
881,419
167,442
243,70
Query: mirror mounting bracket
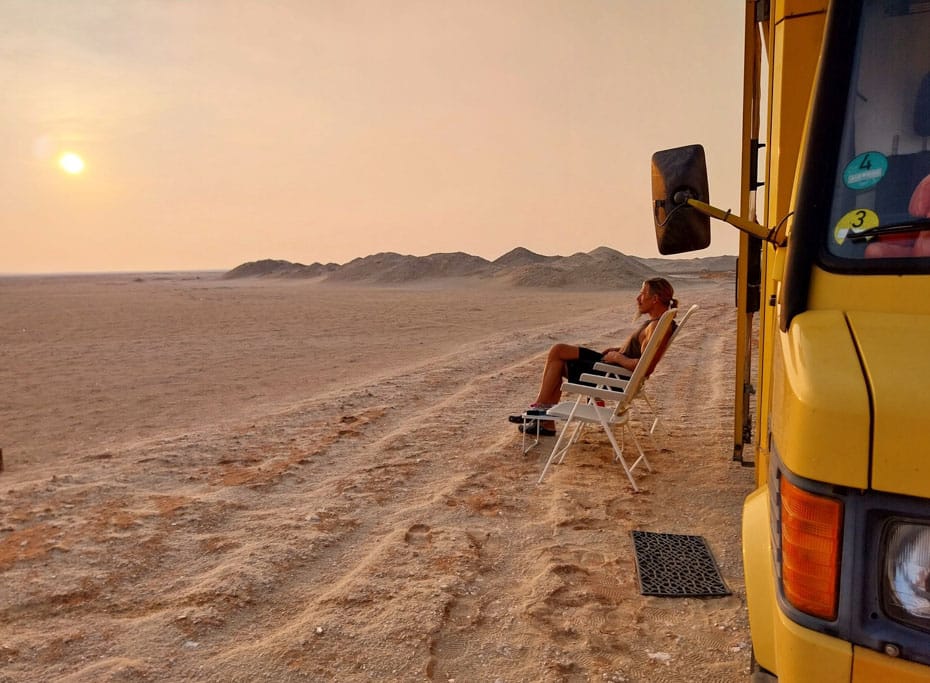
x,y
747,226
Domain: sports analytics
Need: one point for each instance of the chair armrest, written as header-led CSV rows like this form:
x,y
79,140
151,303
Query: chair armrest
x,y
613,369
593,392
604,380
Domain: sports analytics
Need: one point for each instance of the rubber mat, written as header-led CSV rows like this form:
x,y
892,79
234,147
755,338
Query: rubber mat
x,y
673,565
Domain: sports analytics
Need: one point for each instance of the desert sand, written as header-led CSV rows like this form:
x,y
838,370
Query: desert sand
x,y
213,480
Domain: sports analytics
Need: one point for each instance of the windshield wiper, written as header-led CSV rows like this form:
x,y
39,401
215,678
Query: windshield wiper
x,y
918,225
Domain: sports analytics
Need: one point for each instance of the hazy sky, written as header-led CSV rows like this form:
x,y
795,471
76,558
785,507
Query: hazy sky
x,y
221,131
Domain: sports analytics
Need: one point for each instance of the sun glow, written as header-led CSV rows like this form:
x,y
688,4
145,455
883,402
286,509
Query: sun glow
x,y
71,163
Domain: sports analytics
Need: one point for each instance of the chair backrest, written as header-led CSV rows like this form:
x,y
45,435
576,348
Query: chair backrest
x,y
681,323
676,328
658,341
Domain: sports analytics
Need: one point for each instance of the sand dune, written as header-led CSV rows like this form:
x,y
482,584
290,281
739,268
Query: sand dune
x,y
276,480
601,268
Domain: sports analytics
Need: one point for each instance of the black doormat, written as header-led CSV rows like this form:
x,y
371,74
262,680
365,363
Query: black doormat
x,y
673,565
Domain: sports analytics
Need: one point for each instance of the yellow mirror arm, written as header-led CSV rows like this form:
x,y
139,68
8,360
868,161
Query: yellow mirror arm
x,y
751,227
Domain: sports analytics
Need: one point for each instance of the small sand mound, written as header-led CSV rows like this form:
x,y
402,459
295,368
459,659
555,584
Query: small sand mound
x,y
279,268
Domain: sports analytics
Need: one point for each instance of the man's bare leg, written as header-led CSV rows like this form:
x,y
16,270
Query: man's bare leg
x,y
550,389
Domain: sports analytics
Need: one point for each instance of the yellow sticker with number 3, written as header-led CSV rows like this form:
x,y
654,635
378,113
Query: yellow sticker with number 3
x,y
856,220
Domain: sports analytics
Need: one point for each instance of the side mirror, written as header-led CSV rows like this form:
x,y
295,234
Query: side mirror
x,y
678,175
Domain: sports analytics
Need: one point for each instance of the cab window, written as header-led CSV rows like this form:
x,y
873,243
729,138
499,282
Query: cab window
x,y
882,179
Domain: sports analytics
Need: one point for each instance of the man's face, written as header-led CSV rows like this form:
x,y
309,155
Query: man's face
x,y
645,299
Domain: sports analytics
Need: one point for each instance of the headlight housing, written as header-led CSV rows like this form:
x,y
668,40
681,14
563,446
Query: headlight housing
x,y
811,544
906,573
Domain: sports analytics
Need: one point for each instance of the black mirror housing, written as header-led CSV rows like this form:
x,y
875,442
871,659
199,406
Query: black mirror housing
x,y
678,175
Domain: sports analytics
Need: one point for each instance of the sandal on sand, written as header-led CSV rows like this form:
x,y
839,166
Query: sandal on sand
x,y
530,428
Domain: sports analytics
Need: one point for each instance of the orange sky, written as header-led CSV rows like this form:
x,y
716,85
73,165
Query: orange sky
x,y
216,132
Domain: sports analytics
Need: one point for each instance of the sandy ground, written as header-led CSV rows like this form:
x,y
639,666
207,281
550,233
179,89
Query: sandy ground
x,y
251,480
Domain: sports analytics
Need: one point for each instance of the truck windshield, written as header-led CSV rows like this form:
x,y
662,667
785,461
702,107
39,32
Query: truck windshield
x,y
881,188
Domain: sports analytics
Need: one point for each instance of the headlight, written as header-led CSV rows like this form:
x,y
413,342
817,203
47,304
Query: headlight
x,y
907,574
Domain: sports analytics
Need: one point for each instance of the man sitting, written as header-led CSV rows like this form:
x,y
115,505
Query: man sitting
x,y
566,360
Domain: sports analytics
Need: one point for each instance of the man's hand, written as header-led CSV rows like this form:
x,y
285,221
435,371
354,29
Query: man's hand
x,y
908,244
615,357
920,200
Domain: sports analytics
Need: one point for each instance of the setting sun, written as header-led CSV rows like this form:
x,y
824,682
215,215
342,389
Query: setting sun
x,y
71,163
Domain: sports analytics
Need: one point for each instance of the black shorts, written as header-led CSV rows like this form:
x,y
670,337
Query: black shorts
x,y
574,369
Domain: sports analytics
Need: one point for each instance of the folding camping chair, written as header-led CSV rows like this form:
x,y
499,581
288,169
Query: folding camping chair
x,y
617,396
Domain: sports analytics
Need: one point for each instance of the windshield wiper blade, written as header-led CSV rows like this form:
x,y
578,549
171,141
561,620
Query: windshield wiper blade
x,y
891,229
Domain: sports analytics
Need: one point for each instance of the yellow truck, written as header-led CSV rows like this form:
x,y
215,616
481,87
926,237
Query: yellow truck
x,y
833,333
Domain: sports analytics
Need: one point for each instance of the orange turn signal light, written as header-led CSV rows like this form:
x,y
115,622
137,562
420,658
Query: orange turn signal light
x,y
810,544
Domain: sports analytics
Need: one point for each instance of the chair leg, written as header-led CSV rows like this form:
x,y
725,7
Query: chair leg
x,y
554,453
642,456
573,439
652,409
650,432
618,454
555,449
535,442
559,449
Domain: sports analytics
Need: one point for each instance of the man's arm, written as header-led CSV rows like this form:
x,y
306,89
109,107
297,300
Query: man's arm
x,y
617,358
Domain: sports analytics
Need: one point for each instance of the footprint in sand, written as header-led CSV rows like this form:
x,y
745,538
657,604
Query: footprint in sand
x,y
418,534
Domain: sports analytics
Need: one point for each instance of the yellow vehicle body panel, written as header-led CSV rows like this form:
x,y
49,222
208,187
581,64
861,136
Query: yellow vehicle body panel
x,y
798,654
794,43
879,293
794,55
757,571
820,403
789,8
870,666
805,656
894,354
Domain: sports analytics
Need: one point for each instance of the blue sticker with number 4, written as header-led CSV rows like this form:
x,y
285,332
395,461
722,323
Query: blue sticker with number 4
x,y
865,170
